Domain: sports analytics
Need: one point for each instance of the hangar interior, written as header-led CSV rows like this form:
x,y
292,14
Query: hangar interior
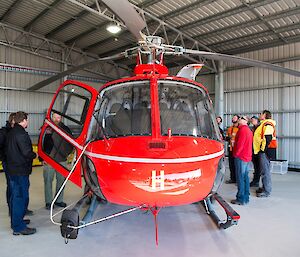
x,y
41,38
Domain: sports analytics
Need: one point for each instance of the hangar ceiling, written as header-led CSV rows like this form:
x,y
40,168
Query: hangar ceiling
x,y
225,26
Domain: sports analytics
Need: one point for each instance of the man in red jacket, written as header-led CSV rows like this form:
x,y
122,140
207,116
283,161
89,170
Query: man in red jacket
x,y
242,152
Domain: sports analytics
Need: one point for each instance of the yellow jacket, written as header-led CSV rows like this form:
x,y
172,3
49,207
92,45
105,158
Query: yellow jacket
x,y
259,143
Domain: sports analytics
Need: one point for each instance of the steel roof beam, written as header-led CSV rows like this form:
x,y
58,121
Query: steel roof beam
x,y
252,9
61,27
148,3
254,22
10,9
29,25
224,14
103,26
56,51
255,36
185,9
274,43
161,24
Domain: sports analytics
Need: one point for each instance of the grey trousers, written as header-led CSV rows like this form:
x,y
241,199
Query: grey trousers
x,y
48,174
265,169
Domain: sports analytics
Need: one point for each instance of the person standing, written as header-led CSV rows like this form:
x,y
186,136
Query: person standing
x,y
3,134
58,149
264,137
19,157
242,153
219,121
230,137
256,175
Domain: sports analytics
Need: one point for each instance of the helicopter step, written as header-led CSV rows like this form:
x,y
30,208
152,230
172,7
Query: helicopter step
x,y
232,215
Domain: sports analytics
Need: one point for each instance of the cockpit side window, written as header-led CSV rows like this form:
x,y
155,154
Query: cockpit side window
x,y
185,109
72,104
125,110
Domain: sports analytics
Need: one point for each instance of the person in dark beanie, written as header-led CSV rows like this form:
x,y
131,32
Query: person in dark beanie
x,y
19,156
256,175
3,134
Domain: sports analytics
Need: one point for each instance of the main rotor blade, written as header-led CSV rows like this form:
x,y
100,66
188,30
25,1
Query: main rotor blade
x,y
242,60
128,15
72,70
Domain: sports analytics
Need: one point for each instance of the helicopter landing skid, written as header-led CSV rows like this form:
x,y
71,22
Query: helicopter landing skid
x,y
71,223
232,215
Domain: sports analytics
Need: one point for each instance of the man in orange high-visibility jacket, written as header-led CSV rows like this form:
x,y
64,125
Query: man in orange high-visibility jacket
x,y
230,137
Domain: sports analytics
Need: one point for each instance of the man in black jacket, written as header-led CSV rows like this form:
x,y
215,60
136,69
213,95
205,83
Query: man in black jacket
x,y
3,134
19,156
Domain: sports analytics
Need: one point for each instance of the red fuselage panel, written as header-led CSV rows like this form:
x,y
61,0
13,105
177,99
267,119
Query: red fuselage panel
x,y
131,173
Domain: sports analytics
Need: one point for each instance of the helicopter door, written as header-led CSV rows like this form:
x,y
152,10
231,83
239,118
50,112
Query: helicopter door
x,y
63,135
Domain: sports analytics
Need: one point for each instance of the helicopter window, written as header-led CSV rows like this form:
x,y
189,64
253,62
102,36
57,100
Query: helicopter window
x,y
185,109
72,105
56,147
124,110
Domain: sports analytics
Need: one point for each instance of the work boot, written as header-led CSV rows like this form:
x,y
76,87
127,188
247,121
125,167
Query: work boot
x,y
254,184
25,232
28,213
259,190
26,221
230,181
61,204
263,194
236,202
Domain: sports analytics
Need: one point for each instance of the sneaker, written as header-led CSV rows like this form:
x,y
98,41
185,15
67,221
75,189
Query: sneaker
x,y
262,194
48,206
230,181
62,204
254,184
259,190
26,221
236,202
29,213
25,232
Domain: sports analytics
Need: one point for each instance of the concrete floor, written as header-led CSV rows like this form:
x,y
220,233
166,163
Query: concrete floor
x,y
268,227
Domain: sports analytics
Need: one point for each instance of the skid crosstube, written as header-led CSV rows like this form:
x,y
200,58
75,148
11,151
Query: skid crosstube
x,y
232,215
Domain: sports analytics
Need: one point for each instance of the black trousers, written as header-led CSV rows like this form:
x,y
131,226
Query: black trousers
x,y
231,166
256,174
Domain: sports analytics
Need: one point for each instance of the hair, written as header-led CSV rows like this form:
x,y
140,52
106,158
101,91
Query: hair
x,y
268,114
238,116
220,118
20,116
11,117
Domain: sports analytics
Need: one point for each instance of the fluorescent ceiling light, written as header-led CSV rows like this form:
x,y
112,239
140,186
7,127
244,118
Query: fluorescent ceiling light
x,y
113,28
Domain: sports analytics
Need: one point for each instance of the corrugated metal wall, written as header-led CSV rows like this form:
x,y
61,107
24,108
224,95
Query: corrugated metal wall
x,y
251,90
14,82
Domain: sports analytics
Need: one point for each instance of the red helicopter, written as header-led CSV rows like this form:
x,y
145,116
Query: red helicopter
x,y
148,141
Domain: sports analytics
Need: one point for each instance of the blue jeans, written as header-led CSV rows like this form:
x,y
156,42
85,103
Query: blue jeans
x,y
265,169
19,200
242,179
8,191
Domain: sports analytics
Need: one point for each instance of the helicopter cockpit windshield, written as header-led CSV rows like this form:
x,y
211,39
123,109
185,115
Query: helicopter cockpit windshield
x,y
186,110
125,110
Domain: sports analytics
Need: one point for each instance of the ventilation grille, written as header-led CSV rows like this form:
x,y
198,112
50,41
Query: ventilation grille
x,y
157,145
